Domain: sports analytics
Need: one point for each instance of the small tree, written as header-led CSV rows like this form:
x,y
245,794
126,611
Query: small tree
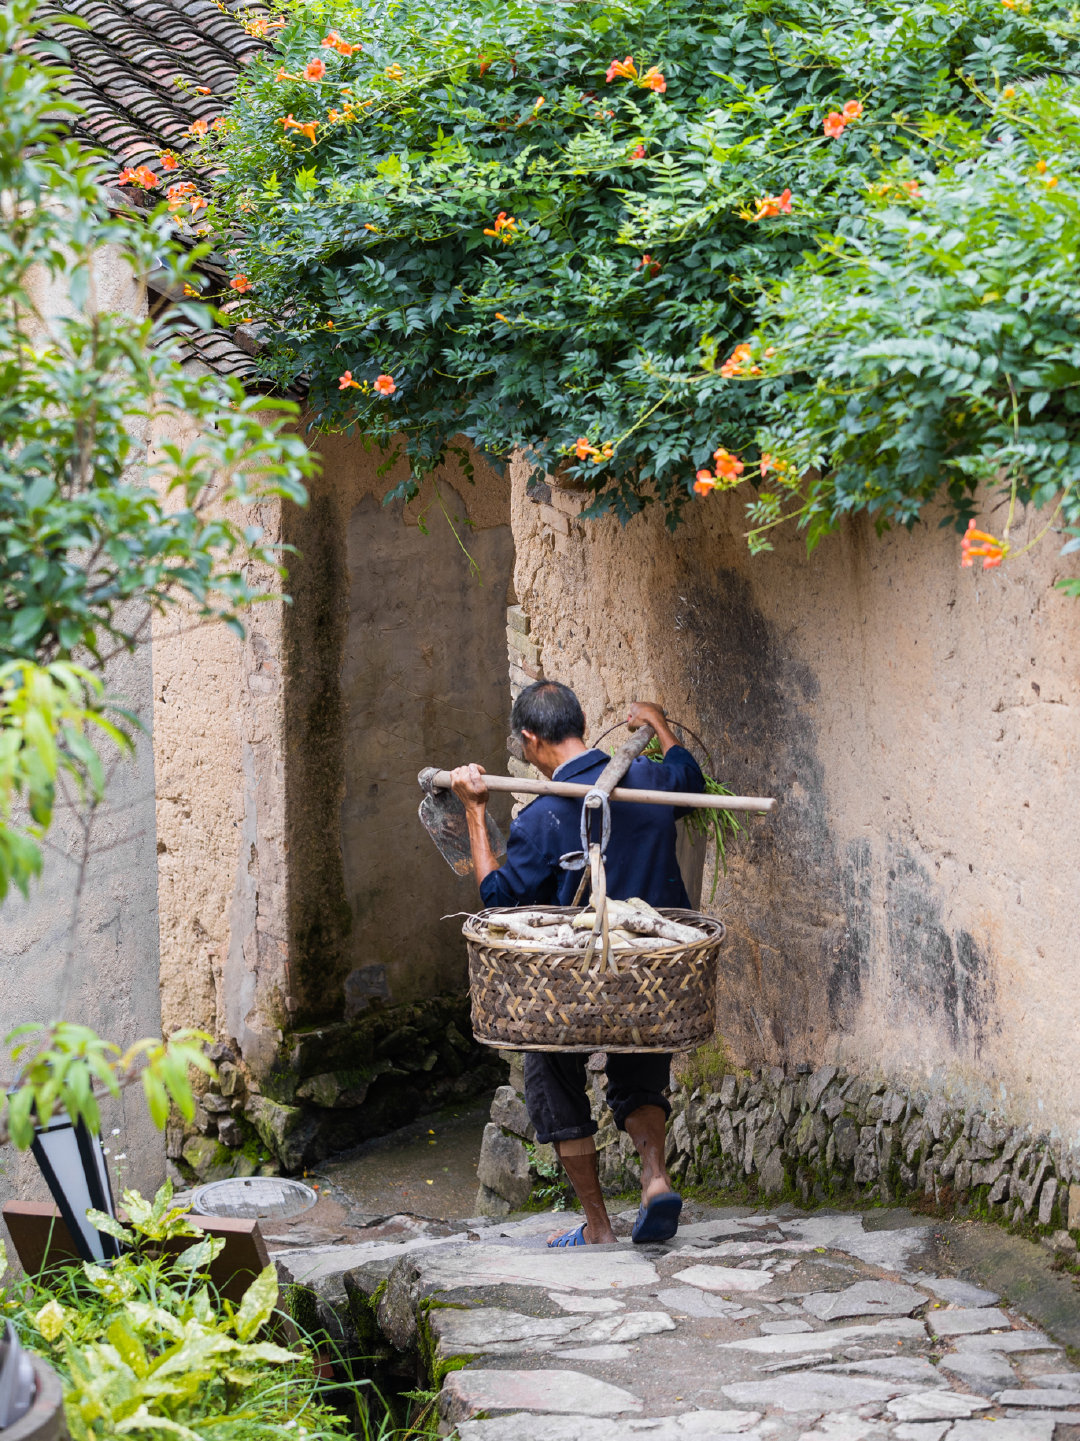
x,y
605,233
103,521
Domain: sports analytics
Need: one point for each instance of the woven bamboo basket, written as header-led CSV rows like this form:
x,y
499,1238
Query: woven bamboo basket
x,y
541,1000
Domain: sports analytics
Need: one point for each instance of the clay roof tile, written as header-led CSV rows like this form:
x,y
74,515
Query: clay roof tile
x,y
125,67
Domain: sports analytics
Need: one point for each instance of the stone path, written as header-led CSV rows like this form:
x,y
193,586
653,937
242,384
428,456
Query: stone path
x,y
782,1326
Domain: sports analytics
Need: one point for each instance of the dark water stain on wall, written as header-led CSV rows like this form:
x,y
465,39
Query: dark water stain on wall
x,y
802,937
931,972
397,660
754,699
320,920
853,948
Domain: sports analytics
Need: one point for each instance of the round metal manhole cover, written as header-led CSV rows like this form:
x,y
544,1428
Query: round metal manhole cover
x,y
254,1198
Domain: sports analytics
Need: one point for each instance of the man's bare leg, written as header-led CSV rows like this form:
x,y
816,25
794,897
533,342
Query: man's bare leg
x,y
580,1164
647,1127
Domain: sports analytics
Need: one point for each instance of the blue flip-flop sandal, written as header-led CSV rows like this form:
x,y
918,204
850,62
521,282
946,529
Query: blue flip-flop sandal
x,y
659,1219
571,1238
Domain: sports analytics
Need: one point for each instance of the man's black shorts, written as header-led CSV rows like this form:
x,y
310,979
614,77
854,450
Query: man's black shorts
x,y
558,1101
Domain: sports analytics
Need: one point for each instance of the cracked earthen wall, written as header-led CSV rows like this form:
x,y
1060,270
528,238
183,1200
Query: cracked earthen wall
x,y
912,906
296,882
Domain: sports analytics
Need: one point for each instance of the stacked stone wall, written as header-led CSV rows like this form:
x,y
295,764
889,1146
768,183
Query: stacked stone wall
x,y
335,1087
816,1137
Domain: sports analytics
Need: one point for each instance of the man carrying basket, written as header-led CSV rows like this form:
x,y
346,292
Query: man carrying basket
x,y
549,723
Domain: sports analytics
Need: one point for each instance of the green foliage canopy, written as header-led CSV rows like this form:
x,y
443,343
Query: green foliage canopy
x,y
648,239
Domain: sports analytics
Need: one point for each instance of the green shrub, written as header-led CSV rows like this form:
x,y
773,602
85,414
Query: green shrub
x,y
116,462
145,1347
464,218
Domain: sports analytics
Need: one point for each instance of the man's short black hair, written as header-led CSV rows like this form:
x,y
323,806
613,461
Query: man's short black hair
x,y
550,710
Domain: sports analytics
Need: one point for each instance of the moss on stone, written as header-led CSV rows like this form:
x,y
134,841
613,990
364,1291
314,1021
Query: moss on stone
x,y
301,1305
436,1369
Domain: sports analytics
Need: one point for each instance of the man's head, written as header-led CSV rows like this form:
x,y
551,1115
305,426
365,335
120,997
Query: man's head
x,y
548,720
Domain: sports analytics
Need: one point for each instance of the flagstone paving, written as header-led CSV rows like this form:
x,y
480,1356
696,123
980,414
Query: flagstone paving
x,y
774,1326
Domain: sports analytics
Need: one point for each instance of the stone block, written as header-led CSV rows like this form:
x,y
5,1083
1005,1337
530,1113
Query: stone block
x,y
1046,1201
935,1405
516,619
1028,1190
865,1298
866,1166
959,1293
986,1173
334,1090
813,1391
772,1172
879,1333
230,1133
723,1278
967,1321
1073,1218
1007,1341
508,1110
935,1114
520,645
199,1153
832,1103
1040,1396
484,1392
1029,1429
230,1079
285,1130
984,1372
554,520
504,1166
815,1086
490,1203
846,1136
893,1105
522,674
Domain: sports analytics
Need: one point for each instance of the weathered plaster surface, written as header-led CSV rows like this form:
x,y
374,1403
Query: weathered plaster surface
x,y
218,707
396,657
913,904
96,962
105,973
296,882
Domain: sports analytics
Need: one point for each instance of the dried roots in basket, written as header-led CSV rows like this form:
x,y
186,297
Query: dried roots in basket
x,y
634,924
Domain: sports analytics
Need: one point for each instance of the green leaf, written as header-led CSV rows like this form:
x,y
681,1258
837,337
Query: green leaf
x,y
258,1303
111,1227
194,1258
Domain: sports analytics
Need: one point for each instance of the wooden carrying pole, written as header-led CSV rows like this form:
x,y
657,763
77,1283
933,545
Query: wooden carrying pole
x,y
524,785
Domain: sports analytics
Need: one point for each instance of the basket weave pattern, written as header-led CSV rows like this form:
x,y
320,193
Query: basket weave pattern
x,y
539,1000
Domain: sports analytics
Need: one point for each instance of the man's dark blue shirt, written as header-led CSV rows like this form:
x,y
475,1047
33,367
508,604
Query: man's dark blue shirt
x,y
641,857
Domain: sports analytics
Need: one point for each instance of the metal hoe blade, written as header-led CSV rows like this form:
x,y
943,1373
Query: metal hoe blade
x,y
443,817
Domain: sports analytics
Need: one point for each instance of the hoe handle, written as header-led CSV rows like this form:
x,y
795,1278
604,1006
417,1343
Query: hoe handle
x,y
525,785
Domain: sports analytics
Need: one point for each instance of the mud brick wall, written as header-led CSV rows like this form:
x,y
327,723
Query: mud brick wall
x,y
910,907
